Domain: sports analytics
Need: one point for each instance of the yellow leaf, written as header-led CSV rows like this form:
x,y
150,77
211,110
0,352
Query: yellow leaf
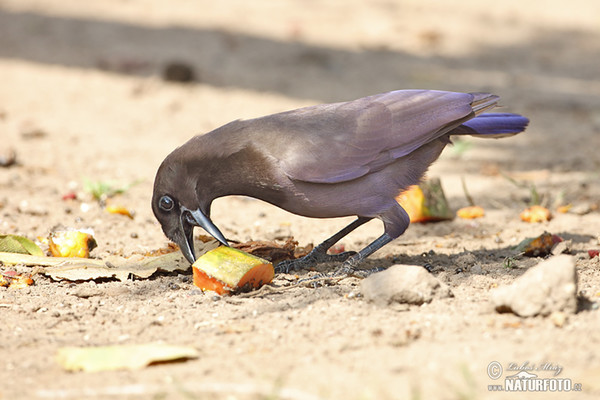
x,y
80,269
110,358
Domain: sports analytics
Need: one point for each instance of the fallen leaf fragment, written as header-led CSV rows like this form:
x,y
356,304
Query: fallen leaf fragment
x,y
536,214
19,244
112,267
273,251
71,244
171,247
564,209
225,270
470,212
539,246
425,202
130,357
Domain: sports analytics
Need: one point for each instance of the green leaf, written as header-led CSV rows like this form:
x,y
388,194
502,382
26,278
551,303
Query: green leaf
x,y
19,244
110,358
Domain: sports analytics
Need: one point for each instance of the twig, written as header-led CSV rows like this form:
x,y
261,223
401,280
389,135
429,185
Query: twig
x,y
466,191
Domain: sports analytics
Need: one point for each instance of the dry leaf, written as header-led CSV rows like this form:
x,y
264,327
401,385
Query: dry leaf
x,y
273,251
81,269
538,246
110,358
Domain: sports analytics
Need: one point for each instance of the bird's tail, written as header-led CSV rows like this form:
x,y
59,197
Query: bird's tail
x,y
493,125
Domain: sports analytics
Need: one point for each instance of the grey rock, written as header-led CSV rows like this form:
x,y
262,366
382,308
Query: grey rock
x,y
408,284
548,287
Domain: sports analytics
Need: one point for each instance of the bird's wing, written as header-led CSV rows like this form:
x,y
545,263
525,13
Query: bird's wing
x,y
338,142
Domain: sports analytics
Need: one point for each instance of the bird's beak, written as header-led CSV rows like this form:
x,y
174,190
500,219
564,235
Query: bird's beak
x,y
189,219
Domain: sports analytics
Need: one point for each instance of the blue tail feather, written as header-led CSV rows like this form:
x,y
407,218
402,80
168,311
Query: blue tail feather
x,y
493,125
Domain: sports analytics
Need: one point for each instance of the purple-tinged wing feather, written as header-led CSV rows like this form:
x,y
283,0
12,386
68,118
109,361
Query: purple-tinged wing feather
x,y
338,142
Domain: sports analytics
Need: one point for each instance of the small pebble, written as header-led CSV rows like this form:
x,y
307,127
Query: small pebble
x,y
476,269
558,318
179,72
8,157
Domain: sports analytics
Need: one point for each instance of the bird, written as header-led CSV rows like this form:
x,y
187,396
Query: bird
x,y
331,160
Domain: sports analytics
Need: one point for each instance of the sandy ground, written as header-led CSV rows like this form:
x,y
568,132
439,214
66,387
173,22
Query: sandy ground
x,y
82,98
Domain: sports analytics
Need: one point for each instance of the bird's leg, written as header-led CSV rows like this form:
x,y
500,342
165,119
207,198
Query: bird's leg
x,y
348,268
395,221
319,254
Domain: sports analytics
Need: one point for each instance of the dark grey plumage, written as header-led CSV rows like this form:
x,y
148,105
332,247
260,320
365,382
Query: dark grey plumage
x,y
324,161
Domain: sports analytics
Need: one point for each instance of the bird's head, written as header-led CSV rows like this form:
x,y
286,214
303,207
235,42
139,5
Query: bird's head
x,y
178,206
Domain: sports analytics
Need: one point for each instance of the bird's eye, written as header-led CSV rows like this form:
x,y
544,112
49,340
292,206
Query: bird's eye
x,y
166,203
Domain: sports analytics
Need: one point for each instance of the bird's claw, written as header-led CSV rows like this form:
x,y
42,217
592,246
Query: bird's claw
x,y
311,259
346,270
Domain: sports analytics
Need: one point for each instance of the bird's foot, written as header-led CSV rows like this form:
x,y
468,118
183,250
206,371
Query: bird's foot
x,y
316,256
347,269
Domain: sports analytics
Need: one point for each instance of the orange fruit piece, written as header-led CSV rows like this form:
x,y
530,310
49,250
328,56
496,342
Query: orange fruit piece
x,y
71,244
470,212
425,202
225,270
536,214
117,209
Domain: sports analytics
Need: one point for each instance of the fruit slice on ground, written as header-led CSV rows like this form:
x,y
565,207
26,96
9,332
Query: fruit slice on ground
x,y
470,212
425,202
536,214
71,244
226,269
